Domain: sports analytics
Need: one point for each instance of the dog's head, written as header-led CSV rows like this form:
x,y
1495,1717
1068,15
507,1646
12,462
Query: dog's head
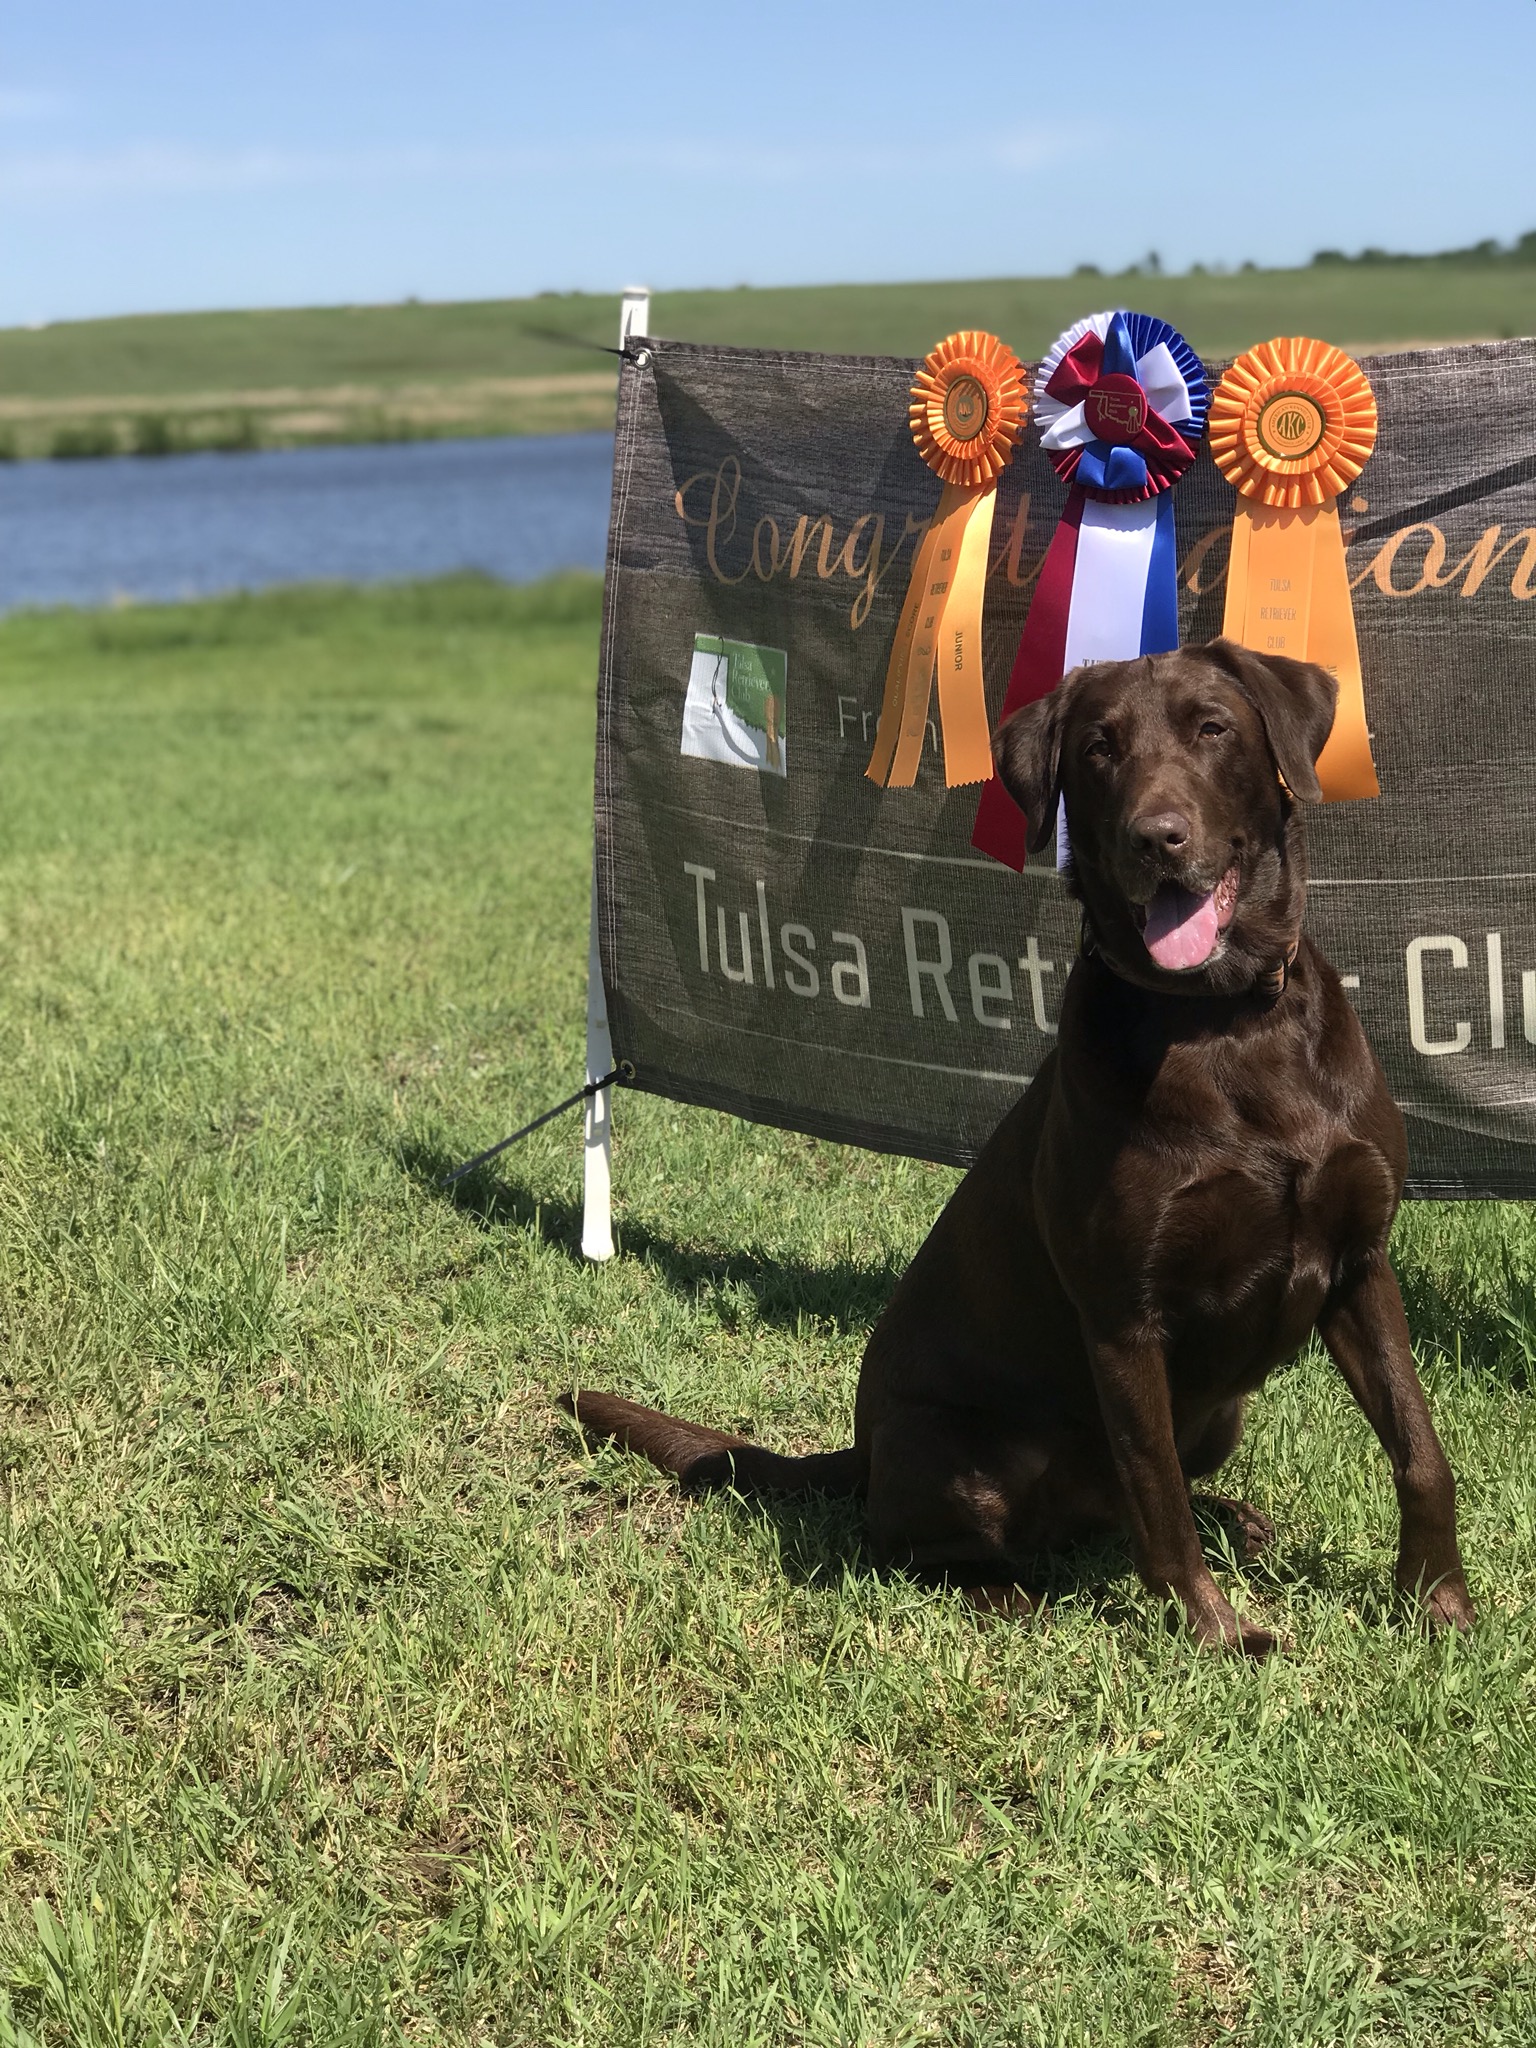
x,y
1181,775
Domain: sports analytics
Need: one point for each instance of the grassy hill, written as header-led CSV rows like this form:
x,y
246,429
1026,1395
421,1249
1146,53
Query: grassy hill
x,y
157,381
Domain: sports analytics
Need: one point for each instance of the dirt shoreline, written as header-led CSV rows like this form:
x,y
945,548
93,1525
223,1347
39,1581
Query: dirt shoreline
x,y
470,391
276,416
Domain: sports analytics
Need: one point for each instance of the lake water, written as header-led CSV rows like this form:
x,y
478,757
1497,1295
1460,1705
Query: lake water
x,y
179,526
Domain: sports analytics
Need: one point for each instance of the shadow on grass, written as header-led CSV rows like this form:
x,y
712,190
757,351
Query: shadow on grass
x,y
1492,1334
843,1294
820,1541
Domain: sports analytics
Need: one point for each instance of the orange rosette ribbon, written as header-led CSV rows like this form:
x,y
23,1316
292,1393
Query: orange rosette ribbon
x,y
967,412
1291,426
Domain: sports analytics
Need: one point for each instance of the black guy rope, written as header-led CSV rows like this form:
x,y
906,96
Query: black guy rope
x,y
623,1072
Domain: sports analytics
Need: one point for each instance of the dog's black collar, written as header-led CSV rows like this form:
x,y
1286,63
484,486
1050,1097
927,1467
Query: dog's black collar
x,y
1269,987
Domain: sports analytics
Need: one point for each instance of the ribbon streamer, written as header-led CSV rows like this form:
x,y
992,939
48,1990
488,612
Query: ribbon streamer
x,y
1121,400
1292,424
967,410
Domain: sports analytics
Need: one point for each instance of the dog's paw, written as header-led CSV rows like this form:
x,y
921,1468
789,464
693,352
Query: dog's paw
x,y
1003,1603
1249,1530
1449,1605
1220,1628
1245,1640
1257,1643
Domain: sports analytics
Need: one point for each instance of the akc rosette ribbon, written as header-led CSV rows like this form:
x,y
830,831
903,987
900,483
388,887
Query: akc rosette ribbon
x,y
967,410
1292,424
1121,401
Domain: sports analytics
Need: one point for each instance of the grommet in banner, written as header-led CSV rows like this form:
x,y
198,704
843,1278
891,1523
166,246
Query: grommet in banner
x,y
627,1069
643,359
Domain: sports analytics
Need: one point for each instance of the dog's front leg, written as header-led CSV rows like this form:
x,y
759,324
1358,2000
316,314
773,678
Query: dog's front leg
x,y
1132,1382
1366,1332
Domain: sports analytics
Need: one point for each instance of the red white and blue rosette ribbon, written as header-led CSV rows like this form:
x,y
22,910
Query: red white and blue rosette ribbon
x,y
1120,401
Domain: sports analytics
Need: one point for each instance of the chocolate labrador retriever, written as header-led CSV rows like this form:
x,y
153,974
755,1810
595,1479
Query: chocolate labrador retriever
x,y
1204,1171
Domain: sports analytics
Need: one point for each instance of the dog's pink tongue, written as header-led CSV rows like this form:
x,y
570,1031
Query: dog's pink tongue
x,y
1181,929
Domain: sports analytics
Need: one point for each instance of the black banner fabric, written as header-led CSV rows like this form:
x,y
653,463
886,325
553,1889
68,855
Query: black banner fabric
x,y
782,939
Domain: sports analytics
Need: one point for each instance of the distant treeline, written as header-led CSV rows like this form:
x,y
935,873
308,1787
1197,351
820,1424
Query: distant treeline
x,y
1521,250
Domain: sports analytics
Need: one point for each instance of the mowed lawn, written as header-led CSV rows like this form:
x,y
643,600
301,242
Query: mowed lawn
x,y
347,1698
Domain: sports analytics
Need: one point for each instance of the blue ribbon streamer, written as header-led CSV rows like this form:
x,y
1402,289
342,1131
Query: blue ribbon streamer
x,y
1160,609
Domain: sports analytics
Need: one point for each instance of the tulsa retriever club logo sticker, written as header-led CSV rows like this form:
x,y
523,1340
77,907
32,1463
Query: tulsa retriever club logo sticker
x,y
735,707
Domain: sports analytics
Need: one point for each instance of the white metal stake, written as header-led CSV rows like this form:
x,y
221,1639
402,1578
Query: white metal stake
x,y
597,1203
634,312
597,1178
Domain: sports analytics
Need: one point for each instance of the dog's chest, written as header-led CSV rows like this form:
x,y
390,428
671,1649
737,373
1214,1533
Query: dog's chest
x,y
1244,1256
1247,1247
1234,1206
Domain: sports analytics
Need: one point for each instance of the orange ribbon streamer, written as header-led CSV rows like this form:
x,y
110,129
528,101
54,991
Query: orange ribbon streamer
x,y
1291,426
967,410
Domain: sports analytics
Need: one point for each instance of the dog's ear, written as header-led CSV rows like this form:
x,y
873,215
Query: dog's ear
x,y
1295,700
1027,750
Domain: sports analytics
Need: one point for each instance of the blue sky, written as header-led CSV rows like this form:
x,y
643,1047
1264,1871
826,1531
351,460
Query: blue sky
x,y
173,155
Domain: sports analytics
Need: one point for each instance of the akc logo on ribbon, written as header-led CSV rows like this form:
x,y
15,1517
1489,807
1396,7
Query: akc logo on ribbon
x,y
1121,401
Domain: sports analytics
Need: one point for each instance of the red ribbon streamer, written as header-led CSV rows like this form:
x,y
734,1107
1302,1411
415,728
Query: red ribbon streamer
x,y
1001,828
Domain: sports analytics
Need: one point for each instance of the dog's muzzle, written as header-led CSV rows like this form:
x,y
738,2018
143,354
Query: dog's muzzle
x,y
1182,927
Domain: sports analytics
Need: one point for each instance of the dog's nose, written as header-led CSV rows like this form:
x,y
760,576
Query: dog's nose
x,y
1160,832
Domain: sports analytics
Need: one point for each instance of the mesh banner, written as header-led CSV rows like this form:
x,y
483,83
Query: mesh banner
x,y
782,939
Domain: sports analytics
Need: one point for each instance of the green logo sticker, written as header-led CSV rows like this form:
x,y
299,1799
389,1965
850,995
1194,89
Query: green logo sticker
x,y
736,704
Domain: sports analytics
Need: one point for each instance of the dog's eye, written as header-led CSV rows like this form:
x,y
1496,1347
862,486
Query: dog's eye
x,y
1098,748
1212,729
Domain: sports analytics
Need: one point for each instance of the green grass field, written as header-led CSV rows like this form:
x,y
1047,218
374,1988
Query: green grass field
x,y
348,1699
531,365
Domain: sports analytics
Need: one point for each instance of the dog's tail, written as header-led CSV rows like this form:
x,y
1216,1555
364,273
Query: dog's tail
x,y
703,1458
